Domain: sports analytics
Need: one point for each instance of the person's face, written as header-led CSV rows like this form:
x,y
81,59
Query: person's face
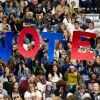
x,y
32,79
1,86
11,4
48,4
12,78
72,70
73,3
62,2
7,70
60,46
55,69
91,26
82,90
83,15
31,87
4,21
65,33
63,27
94,76
16,86
96,87
48,88
42,79
76,26
22,4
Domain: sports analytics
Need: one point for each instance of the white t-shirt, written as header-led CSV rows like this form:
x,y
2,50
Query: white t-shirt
x,y
91,31
41,86
55,78
30,95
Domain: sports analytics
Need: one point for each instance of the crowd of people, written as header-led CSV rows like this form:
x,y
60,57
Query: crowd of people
x,y
36,78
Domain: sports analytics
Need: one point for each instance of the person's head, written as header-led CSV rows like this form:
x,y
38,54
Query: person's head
x,y
31,88
62,26
42,79
67,60
7,71
48,87
22,4
62,2
76,24
16,96
83,15
58,46
29,15
55,62
81,88
31,79
91,25
97,60
16,86
4,20
69,44
72,69
55,68
73,3
87,21
49,4
11,78
66,34
61,85
93,76
11,4
96,87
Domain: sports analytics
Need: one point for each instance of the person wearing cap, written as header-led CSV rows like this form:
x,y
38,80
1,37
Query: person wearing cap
x,y
48,91
72,76
85,25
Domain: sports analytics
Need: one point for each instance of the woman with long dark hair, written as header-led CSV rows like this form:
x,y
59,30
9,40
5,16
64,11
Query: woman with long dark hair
x,y
55,75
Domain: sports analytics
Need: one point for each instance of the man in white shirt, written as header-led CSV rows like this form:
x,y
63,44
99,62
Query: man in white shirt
x,y
91,28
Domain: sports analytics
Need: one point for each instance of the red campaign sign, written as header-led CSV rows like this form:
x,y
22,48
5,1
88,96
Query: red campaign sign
x,y
32,53
75,55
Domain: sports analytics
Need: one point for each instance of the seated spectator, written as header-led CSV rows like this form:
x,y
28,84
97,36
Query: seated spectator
x,y
48,92
32,93
8,86
61,89
96,91
25,83
41,85
49,8
3,78
16,91
62,8
91,28
72,76
55,75
10,8
3,91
